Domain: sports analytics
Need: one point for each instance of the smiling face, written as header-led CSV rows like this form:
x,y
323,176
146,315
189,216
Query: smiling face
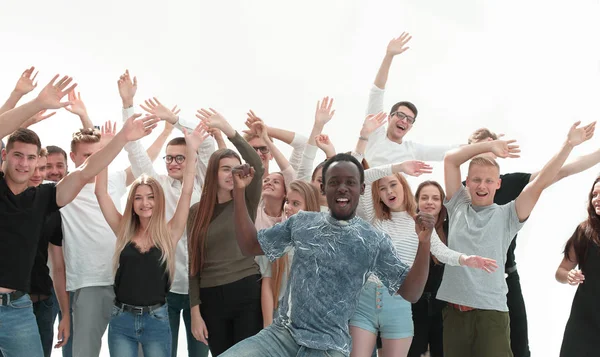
x,y
226,165
391,193
343,189
21,162
430,200
273,186
482,183
143,201
397,127
56,167
39,174
174,169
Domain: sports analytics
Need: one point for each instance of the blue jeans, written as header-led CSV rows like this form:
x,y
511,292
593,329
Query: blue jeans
x,y
275,341
126,330
19,335
43,311
176,304
67,350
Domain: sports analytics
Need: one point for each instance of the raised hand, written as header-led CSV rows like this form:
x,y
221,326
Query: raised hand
x,y
424,223
372,122
136,128
77,106
260,129
252,118
324,143
477,262
505,148
218,136
26,82
398,45
194,138
323,114
213,119
154,106
107,132
415,168
37,118
127,88
579,135
242,176
575,277
51,95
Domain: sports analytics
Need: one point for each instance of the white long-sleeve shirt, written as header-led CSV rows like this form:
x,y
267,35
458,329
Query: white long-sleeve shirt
x,y
141,164
401,226
381,150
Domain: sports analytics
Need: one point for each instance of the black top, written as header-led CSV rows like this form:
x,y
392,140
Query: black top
x,y
21,219
141,279
582,330
510,188
41,283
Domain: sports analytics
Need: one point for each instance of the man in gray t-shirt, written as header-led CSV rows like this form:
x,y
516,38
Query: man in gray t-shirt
x,y
476,320
334,254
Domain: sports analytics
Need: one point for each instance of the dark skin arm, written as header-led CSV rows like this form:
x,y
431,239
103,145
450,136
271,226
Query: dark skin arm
x,y
414,284
245,232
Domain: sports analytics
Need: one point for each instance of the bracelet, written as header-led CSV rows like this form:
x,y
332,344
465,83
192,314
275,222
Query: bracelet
x,y
363,138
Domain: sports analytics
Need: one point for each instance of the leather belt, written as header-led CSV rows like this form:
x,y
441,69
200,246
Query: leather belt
x,y
461,308
6,298
137,310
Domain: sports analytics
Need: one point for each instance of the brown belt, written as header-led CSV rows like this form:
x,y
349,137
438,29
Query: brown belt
x,y
38,297
461,308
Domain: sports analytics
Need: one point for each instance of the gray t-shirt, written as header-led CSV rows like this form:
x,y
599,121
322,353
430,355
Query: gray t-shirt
x,y
485,231
332,261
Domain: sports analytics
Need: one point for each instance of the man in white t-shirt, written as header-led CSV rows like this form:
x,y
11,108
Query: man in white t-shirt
x,y
388,146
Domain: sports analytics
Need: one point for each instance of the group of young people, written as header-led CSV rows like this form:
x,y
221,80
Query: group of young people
x,y
341,259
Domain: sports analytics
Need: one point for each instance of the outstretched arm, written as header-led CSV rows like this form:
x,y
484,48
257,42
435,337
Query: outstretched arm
x,y
395,47
25,84
134,129
576,166
178,222
455,158
77,107
245,231
531,193
49,98
107,206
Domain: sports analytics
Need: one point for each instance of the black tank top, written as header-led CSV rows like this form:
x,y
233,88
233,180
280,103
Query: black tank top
x,y
141,279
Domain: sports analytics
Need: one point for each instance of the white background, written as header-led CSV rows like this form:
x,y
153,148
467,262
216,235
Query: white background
x,y
524,68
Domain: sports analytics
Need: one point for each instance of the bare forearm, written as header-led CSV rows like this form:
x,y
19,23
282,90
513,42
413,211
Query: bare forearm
x,y
316,131
154,149
549,172
11,102
12,119
578,165
384,71
412,288
462,154
60,289
266,300
280,159
86,122
98,161
561,275
282,135
245,231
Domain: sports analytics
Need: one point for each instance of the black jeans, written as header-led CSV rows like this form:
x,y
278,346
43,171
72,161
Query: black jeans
x,y
519,340
232,312
427,320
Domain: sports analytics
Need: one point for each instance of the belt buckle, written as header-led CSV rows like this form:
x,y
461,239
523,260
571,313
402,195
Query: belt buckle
x,y
138,310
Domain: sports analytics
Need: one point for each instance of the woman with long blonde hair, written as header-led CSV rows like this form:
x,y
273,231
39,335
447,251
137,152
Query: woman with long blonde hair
x,y
301,196
144,260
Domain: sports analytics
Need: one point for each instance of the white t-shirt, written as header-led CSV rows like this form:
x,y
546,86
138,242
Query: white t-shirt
x,y
89,243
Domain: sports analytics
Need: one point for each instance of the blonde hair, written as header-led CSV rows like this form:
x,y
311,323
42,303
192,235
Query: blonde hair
x,y
85,136
483,161
482,134
157,228
43,152
382,212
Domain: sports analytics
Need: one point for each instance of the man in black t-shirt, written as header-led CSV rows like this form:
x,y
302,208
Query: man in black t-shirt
x,y
24,209
511,186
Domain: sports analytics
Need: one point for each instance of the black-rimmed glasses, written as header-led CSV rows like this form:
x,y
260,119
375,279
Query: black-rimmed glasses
x,y
402,116
178,159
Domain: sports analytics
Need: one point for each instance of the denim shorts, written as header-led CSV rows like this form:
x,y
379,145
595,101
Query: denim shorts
x,y
378,311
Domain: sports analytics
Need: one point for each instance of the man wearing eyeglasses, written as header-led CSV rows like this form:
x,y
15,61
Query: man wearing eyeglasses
x,y
384,147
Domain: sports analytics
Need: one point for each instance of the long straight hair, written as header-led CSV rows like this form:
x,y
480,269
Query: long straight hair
x,y
280,267
206,209
586,233
441,225
382,212
157,229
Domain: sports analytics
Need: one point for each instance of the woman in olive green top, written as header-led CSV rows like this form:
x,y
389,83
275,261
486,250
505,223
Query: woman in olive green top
x,y
221,277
